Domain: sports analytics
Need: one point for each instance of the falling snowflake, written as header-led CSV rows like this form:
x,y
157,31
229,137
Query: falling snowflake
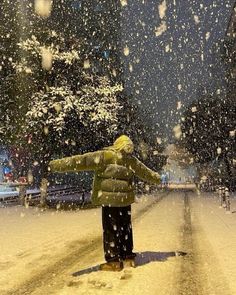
x,y
160,29
123,2
162,9
43,7
126,50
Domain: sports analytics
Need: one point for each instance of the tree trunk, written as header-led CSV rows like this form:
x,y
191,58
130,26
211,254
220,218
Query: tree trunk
x,y
44,181
229,172
22,194
43,192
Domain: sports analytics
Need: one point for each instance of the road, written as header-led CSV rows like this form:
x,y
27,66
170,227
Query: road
x,y
186,244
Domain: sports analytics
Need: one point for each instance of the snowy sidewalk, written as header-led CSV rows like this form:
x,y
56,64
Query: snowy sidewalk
x,y
215,236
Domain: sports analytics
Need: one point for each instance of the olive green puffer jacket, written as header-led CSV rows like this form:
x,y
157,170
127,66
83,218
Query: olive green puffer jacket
x,y
114,173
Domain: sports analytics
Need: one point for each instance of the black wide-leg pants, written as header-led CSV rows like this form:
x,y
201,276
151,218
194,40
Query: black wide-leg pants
x,y
117,232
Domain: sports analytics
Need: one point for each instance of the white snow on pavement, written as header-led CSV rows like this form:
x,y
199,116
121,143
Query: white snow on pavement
x,y
35,240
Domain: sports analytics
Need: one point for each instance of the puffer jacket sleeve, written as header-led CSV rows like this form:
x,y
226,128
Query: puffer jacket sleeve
x,y
143,172
85,162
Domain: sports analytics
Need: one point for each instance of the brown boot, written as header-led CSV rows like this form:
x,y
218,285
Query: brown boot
x,y
112,266
129,262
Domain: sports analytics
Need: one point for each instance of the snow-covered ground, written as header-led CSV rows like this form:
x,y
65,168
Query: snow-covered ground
x,y
40,250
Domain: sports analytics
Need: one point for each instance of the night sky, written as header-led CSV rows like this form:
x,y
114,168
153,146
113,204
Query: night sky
x,y
165,72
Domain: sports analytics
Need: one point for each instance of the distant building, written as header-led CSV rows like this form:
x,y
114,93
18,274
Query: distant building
x,y
178,167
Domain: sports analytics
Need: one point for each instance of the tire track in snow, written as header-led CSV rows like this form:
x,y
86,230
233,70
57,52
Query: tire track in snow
x,y
188,279
199,273
51,275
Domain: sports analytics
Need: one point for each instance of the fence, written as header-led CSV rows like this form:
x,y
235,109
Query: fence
x,y
23,196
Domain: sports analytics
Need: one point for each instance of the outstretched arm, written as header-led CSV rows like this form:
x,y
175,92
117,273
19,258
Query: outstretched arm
x,y
143,172
85,162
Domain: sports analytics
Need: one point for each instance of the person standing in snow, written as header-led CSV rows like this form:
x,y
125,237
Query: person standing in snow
x,y
113,189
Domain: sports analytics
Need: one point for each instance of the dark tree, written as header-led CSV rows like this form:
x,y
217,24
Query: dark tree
x,y
208,131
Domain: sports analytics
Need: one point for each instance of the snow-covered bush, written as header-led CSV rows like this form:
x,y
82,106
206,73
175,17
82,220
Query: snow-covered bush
x,y
37,49
91,105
